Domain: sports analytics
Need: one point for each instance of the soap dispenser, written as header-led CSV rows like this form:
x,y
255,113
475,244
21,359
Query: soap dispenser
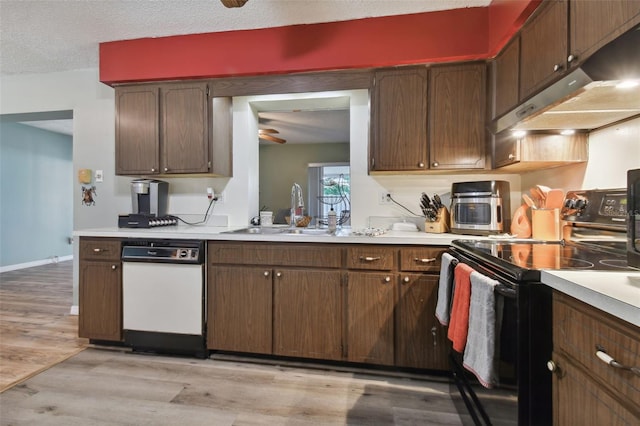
x,y
332,220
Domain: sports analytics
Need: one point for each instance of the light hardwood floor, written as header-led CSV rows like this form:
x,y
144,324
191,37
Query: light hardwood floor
x,y
36,330
107,386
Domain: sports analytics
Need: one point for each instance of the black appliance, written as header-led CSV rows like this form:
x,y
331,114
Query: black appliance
x,y
633,219
480,207
149,200
594,240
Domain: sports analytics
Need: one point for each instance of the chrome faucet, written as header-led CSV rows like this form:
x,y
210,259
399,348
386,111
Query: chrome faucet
x,y
297,202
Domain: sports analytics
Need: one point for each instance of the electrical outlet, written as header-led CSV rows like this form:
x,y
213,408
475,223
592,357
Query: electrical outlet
x,y
220,198
384,197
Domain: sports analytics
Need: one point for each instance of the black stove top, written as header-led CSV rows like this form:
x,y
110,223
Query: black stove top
x,y
523,259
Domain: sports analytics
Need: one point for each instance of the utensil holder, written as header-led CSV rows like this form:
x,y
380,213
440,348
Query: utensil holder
x,y
545,224
440,225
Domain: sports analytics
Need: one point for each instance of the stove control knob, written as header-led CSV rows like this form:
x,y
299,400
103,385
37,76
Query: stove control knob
x,y
581,204
183,253
570,203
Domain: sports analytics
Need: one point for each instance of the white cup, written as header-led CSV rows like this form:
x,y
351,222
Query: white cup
x,y
266,218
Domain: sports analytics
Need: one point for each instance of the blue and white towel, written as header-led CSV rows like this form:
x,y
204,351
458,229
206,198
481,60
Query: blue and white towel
x,y
484,326
445,288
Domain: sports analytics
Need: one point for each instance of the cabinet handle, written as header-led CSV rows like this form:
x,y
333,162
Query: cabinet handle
x,y
97,250
369,258
166,169
278,274
425,260
512,157
435,164
552,366
153,169
571,58
406,279
435,335
557,67
387,279
609,360
420,165
114,267
266,273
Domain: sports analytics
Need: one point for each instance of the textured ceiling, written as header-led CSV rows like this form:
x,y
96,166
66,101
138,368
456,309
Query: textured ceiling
x,y
38,36
41,36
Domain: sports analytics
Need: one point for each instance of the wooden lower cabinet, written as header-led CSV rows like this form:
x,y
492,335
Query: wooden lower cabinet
x,y
239,309
586,390
421,341
100,290
307,314
370,309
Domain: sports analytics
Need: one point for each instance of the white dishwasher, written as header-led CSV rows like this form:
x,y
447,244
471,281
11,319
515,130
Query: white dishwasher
x,y
163,296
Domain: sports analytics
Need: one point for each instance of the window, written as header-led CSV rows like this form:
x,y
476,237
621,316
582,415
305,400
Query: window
x,y
329,187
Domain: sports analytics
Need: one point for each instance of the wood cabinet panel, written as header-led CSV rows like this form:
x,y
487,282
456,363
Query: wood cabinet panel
x,y
577,400
399,120
240,309
285,254
100,249
371,257
185,128
595,23
505,78
370,323
421,259
457,136
137,129
100,300
421,341
543,47
579,330
536,151
307,314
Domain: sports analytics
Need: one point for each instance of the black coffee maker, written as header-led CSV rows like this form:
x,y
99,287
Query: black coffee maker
x,y
148,204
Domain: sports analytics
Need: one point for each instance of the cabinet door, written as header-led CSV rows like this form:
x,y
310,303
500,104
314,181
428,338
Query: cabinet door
x,y
457,136
579,400
185,128
543,48
595,23
370,307
100,297
399,120
240,309
506,78
420,339
137,130
307,314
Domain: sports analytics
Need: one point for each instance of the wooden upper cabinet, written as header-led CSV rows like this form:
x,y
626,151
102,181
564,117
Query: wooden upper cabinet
x,y
185,128
457,137
137,130
595,23
543,47
399,120
505,79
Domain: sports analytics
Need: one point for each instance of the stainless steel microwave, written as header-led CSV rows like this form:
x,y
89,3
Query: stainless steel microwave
x,y
480,208
633,219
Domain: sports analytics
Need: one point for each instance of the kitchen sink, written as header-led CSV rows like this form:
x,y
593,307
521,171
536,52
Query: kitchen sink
x,y
280,230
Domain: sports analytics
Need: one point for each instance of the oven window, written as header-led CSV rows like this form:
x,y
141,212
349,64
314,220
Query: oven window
x,y
473,213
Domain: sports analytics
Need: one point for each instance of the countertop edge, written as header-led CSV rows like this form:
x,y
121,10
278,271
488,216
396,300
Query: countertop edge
x,y
569,284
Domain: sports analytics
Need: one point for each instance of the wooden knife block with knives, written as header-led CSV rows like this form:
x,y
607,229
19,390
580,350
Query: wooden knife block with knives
x,y
440,225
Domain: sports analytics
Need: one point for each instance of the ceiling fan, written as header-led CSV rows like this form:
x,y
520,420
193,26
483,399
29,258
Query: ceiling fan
x,y
267,134
233,3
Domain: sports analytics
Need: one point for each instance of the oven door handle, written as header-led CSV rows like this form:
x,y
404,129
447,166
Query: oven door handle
x,y
505,291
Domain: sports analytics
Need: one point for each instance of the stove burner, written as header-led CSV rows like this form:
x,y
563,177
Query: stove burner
x,y
571,263
615,263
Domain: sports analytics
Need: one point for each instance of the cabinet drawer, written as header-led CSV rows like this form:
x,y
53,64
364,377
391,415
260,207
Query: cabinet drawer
x,y
370,257
421,259
99,249
579,329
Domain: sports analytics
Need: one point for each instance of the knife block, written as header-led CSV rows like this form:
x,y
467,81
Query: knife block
x,y
440,225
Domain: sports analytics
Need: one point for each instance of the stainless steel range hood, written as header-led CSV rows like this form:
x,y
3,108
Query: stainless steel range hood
x,y
587,97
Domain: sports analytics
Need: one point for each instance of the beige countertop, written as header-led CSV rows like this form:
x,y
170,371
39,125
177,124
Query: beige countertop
x,y
617,293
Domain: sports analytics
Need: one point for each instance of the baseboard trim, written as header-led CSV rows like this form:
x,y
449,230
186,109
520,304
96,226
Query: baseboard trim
x,y
75,310
52,259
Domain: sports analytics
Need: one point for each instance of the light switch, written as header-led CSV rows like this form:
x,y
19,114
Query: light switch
x,y
99,176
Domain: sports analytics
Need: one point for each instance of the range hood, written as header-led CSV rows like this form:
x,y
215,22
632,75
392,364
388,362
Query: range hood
x,y
587,97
